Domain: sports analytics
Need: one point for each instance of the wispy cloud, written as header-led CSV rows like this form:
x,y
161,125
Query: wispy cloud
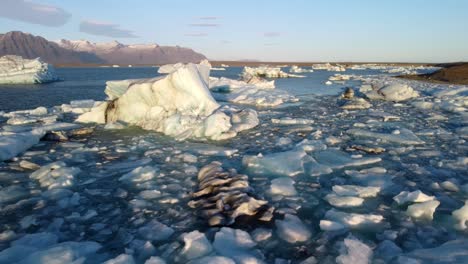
x,y
26,11
105,29
204,25
272,34
209,18
196,34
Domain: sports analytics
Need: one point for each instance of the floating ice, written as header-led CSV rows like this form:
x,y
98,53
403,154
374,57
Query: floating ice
x,y
283,186
12,144
354,251
15,69
297,69
292,230
424,210
393,92
140,174
121,259
196,245
376,177
461,216
337,159
292,121
412,197
179,105
212,260
401,136
327,225
289,163
266,71
453,251
343,201
236,244
356,190
354,220
55,175
155,231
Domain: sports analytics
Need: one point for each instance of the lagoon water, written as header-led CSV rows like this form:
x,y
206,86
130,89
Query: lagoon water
x,y
89,83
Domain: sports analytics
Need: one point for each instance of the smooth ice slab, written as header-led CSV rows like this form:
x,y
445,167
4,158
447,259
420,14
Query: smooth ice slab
x,y
12,144
289,163
337,159
354,252
412,197
292,230
423,210
400,136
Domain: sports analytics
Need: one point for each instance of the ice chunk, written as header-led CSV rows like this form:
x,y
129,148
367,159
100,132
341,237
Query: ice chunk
x,y
354,251
266,71
121,259
461,216
156,260
196,245
356,190
412,197
423,210
12,193
343,201
398,92
15,70
292,121
376,177
236,244
179,105
292,230
355,221
283,186
453,251
337,159
155,231
403,136
55,175
140,174
327,225
212,260
12,144
254,96
289,163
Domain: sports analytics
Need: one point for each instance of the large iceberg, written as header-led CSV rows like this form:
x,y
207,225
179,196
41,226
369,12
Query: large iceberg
x,y
15,70
178,104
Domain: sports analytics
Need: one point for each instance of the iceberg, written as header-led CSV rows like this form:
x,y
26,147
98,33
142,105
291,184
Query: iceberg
x,y
17,70
178,105
12,144
268,72
394,92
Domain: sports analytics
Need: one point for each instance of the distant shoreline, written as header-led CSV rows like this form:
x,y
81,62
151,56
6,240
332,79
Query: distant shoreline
x,y
254,63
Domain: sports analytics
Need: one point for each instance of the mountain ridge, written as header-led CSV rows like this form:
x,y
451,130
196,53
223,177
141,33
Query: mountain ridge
x,y
86,52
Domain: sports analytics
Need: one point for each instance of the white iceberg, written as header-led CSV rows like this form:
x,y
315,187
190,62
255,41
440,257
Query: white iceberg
x,y
394,92
412,197
267,71
12,144
179,105
16,70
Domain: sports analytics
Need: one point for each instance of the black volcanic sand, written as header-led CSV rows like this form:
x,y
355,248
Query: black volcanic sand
x,y
455,73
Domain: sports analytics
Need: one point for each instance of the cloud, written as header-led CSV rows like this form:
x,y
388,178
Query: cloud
x,y
209,18
196,34
26,11
204,25
272,34
105,29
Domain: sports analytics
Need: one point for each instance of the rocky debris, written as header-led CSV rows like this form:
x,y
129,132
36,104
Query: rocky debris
x,y
223,196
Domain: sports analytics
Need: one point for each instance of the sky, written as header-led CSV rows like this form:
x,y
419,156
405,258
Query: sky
x,y
281,30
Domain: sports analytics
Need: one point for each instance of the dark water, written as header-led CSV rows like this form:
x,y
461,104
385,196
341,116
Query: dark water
x,y
89,83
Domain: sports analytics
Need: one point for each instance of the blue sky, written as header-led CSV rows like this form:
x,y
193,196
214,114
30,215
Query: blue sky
x,y
293,30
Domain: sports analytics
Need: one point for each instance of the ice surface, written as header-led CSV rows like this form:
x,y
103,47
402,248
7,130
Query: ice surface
x,y
55,175
337,159
212,260
12,144
424,210
292,230
16,70
179,105
354,220
140,174
283,186
266,71
155,231
343,201
412,197
400,136
236,244
395,92
355,251
356,190
461,216
288,163
292,121
121,259
454,251
196,245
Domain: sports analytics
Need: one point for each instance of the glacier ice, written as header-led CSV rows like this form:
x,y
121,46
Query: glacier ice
x,y
17,70
178,104
12,144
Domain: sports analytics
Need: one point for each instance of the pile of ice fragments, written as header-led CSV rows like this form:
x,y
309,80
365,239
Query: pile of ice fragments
x,y
16,70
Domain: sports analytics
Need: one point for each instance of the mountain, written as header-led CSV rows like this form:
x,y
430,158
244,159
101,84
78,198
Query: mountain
x,y
31,47
85,52
118,53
